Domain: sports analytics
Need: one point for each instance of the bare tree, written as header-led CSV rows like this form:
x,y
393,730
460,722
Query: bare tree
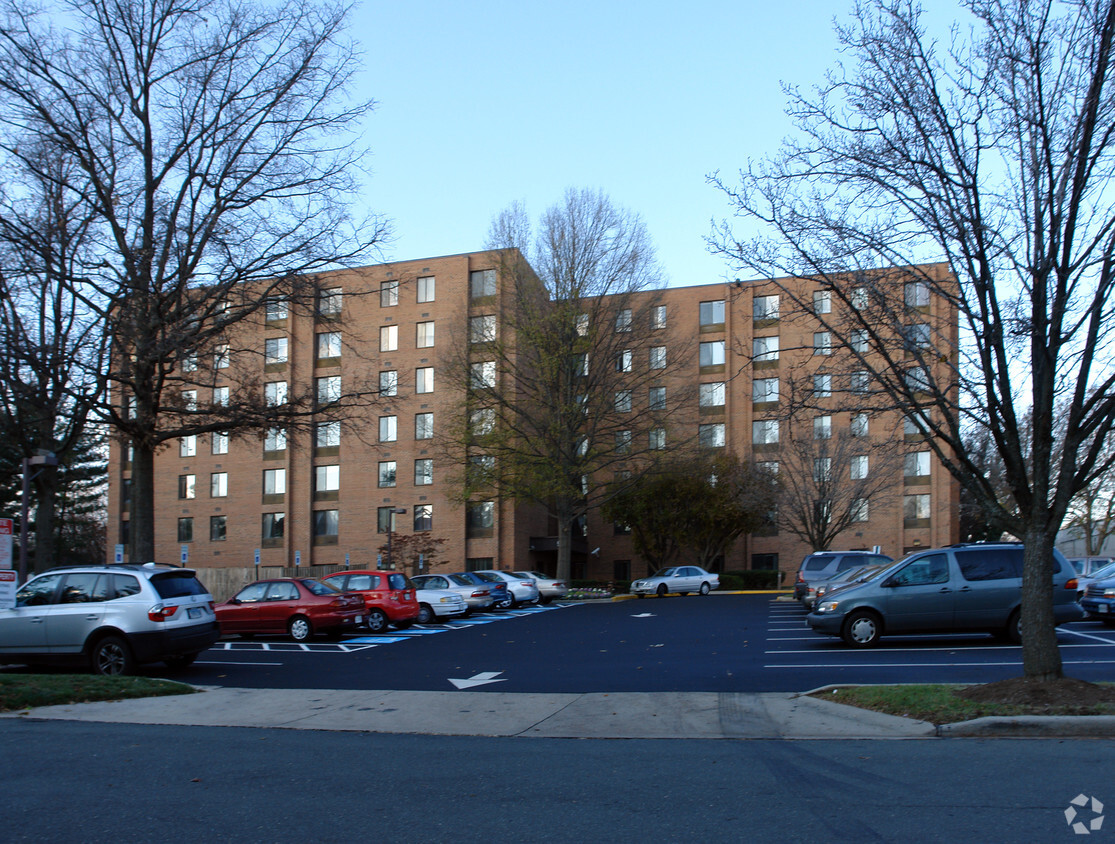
x,y
211,141
557,386
995,157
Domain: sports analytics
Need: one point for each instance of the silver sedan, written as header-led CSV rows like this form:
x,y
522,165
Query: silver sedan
x,y
680,580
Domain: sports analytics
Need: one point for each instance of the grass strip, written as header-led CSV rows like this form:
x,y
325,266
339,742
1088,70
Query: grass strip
x,y
23,691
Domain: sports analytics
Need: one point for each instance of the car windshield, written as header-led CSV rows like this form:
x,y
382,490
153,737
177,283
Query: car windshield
x,y
1106,571
317,587
666,572
520,575
491,578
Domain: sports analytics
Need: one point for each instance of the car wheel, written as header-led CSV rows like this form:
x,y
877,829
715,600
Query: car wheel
x,y
1014,627
705,589
177,663
661,590
377,621
426,614
300,628
862,629
112,657
509,604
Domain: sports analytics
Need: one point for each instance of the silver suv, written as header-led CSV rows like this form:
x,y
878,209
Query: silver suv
x,y
821,566
111,618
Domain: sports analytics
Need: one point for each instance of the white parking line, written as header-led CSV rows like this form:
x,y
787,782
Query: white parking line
x,y
229,662
929,664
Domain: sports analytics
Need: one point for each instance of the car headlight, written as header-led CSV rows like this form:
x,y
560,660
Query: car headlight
x,y
826,606
447,600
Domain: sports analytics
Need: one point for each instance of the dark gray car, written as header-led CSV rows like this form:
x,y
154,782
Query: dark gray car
x,y
822,566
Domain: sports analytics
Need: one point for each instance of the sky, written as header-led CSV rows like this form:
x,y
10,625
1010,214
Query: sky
x,y
482,103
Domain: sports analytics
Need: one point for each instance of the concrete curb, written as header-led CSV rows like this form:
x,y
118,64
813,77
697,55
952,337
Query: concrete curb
x,y
1032,726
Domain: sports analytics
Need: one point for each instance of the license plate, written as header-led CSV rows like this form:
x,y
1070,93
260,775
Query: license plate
x,y
193,612
1101,608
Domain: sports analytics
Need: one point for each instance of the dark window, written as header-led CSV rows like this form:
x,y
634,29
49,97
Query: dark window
x,y
124,586
990,563
177,584
818,562
764,562
932,568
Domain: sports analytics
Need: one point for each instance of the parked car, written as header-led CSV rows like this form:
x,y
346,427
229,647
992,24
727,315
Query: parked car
x,y
501,595
523,589
476,596
849,577
299,606
968,587
1082,583
548,587
388,596
679,579
1099,601
1088,566
111,618
434,604
820,566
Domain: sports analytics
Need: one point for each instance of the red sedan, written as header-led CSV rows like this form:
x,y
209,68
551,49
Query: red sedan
x,y
388,596
300,606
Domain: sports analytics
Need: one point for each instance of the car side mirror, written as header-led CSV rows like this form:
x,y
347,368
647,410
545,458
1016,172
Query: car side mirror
x,y
234,600
889,582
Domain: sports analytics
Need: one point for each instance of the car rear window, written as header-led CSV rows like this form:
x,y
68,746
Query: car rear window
x,y
818,562
849,561
397,581
176,584
317,587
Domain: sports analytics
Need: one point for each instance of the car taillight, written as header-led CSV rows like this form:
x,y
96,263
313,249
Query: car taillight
x,y
1070,583
801,577
161,612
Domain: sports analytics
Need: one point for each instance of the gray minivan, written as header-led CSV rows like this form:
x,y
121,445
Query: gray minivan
x,y
969,587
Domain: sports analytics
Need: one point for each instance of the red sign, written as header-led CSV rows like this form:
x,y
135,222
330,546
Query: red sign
x,y
5,527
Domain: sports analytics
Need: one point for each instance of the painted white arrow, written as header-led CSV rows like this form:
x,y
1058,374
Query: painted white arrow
x,y
478,680
644,615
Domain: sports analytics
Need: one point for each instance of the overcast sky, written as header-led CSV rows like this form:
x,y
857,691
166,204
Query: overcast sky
x,y
484,102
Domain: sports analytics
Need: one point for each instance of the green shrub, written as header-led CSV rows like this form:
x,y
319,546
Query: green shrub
x,y
756,579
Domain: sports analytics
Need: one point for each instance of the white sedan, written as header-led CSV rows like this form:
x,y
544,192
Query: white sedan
x,y
439,603
680,580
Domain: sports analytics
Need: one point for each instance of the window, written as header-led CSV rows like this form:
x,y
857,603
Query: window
x,y
328,389
389,383
916,379
822,343
822,302
481,283
424,379
623,320
764,432
423,472
658,317
274,481
711,353
329,302
822,427
822,385
915,508
275,350
711,436
387,473
483,421
711,313
187,446
912,427
623,401
189,399
275,309
221,356
623,442
990,563
187,486
582,325
916,337
218,528
656,438
483,375
327,435
858,341
221,396
328,345
764,390
657,357
656,398
768,466
218,485
480,518
325,524
711,395
764,348
580,365
273,524
859,298
219,442
764,307
388,294
623,361
916,294
859,510
481,467
327,478
388,431
424,335
425,289
186,529
822,470
274,439
423,426
189,363
917,464
423,517
858,467
388,338
860,382
274,393
385,519
482,329
858,425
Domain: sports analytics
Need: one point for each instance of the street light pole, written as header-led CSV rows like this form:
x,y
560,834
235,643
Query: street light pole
x,y
43,458
391,532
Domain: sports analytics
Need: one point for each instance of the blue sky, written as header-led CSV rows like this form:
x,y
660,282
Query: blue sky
x,y
486,102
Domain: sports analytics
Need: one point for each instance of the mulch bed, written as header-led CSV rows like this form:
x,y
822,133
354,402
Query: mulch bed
x,y
1066,695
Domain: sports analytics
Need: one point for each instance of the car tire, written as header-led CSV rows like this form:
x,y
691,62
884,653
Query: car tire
x,y
376,621
300,628
661,590
112,657
509,604
426,614
1014,627
862,629
705,588
178,663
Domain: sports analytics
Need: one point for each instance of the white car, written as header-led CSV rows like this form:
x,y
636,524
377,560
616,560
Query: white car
x,y
548,587
439,603
519,590
678,579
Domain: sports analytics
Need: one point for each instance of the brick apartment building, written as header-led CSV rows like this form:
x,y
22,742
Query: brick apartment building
x,y
331,494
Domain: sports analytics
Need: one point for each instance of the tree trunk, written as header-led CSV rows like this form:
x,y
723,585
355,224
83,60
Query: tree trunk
x,y
1041,657
565,548
46,488
142,520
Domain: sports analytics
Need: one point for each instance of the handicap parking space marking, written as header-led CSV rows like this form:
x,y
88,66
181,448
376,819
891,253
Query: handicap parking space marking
x,y
374,640
287,647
